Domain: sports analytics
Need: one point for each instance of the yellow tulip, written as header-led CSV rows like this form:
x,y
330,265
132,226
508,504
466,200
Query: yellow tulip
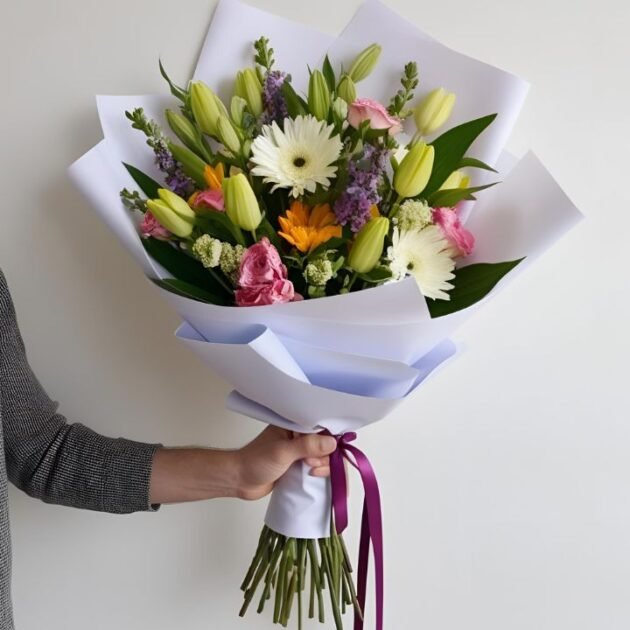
x,y
173,213
456,179
206,107
248,87
368,245
363,65
414,171
434,111
241,204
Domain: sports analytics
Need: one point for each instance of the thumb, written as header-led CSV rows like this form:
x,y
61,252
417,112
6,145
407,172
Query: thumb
x,y
311,446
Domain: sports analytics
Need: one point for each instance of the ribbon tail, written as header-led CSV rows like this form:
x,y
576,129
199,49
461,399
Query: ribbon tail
x,y
362,569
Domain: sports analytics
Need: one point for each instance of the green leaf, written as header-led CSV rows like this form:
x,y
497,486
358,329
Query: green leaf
x,y
471,284
450,149
332,243
147,185
450,197
176,91
329,74
380,273
295,105
470,162
219,225
266,229
179,287
184,268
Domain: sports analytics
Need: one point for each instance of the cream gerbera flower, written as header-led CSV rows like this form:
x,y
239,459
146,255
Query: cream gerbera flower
x,y
299,157
425,255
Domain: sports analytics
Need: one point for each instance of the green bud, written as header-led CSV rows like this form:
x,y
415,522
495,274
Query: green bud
x,y
184,130
249,88
365,62
241,204
173,213
237,108
347,90
434,110
318,95
412,176
340,109
206,107
191,163
227,135
368,245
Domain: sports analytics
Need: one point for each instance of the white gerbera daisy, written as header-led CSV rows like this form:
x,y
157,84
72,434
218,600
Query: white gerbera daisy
x,y
425,255
298,157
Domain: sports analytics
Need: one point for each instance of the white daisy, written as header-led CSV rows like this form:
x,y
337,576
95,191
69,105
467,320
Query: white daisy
x,y
299,157
425,255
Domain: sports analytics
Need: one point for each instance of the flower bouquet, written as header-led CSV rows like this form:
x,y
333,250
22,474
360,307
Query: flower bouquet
x,y
315,238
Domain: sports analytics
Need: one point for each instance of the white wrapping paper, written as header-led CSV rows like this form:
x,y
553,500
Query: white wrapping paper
x,y
336,363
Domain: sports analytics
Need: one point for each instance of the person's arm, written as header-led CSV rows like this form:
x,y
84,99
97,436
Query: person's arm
x,y
69,464
247,473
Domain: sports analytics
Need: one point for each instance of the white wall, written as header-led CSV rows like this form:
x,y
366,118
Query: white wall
x,y
506,480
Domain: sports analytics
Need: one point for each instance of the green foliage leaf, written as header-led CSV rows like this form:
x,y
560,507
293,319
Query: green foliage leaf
x,y
332,243
147,185
470,162
451,147
266,229
329,74
184,268
296,106
472,283
219,225
179,287
380,273
176,91
450,197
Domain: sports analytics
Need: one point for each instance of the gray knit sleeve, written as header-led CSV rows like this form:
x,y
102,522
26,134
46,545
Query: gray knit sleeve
x,y
52,460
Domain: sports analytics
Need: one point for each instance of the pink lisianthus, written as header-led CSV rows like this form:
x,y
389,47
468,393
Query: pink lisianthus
x,y
363,109
208,199
150,226
263,277
460,239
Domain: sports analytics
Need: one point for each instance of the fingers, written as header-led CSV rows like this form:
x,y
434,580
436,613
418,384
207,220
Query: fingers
x,y
313,447
320,471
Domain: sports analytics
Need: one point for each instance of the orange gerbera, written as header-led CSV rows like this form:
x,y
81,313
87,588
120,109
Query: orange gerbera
x,y
307,228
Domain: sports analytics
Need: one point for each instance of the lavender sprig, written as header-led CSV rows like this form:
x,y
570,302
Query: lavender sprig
x,y
354,205
175,178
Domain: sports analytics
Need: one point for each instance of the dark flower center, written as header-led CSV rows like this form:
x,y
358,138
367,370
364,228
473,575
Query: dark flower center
x,y
299,162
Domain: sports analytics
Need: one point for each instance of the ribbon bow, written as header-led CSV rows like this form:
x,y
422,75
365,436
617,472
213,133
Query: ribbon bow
x,y
371,522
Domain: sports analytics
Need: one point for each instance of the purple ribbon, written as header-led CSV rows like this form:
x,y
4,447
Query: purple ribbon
x,y
371,522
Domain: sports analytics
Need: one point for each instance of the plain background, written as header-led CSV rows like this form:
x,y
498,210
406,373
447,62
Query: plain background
x,y
506,479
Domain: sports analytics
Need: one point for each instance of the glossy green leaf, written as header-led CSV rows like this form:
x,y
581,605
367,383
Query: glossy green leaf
x,y
183,267
179,287
450,197
176,91
295,105
329,74
450,149
147,185
471,284
470,162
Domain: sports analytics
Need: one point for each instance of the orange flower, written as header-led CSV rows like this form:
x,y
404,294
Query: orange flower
x,y
214,176
307,228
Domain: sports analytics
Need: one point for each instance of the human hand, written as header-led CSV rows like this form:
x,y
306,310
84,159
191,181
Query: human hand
x,y
264,460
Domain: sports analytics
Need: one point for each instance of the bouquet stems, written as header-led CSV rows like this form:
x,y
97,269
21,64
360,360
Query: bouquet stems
x,y
285,569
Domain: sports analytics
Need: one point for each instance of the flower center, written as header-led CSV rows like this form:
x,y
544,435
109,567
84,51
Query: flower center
x,y
299,162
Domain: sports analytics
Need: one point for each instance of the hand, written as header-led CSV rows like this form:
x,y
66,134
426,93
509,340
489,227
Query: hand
x,y
264,460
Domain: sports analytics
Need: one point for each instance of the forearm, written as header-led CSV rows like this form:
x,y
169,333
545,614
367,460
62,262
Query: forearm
x,y
194,474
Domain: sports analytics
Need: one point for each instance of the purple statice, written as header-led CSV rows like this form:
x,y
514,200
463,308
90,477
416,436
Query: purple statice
x,y
273,99
175,178
354,205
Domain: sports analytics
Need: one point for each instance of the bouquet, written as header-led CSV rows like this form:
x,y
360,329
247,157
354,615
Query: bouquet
x,y
318,241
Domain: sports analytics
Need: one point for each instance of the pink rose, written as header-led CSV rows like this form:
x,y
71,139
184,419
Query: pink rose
x,y
150,226
274,292
209,199
366,109
263,277
454,232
